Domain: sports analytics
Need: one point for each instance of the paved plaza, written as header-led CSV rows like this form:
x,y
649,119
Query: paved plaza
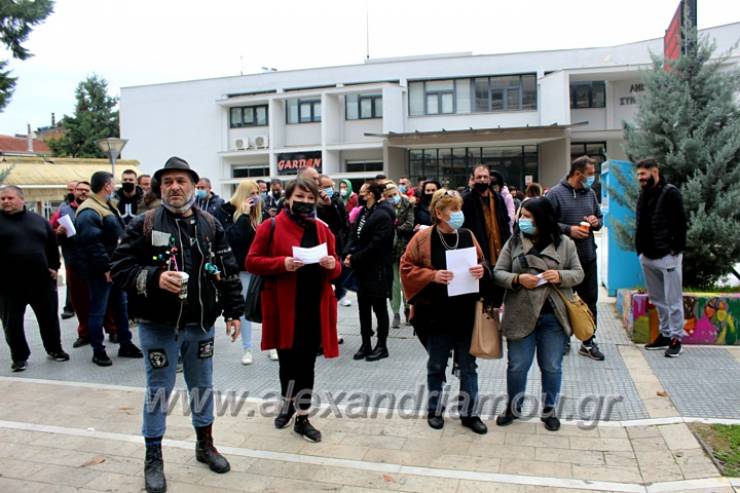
x,y
76,427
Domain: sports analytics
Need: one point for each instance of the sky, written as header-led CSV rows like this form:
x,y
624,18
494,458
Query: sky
x,y
137,42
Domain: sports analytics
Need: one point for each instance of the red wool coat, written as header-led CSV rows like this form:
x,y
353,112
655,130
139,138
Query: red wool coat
x,y
279,288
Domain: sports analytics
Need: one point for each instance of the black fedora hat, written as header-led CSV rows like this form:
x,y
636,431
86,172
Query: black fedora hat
x,y
175,164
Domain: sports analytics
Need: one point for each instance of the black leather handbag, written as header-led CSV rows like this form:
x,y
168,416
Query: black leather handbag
x,y
253,297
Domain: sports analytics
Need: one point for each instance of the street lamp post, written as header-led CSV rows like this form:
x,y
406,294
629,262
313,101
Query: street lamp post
x,y
112,146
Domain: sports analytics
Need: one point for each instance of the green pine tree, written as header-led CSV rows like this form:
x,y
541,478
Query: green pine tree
x,y
95,118
689,120
17,18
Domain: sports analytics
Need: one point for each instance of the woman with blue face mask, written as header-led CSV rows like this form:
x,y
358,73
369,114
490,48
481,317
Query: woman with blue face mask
x,y
534,261
444,323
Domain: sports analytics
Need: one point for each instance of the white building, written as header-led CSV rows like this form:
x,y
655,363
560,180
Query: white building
x,y
524,114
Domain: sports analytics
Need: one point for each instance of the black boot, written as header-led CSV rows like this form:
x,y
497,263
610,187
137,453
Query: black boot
x,y
380,352
305,429
285,415
364,350
154,480
508,417
206,453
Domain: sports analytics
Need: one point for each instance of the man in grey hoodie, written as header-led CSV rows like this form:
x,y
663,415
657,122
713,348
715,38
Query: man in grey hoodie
x,y
575,202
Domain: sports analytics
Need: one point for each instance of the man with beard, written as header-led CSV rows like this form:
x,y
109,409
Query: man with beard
x,y
181,275
128,197
660,240
487,217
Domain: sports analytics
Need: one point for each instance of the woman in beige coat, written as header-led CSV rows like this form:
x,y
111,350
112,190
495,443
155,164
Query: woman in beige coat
x,y
535,262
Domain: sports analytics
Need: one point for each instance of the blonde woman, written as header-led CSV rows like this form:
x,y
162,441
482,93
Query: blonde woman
x,y
240,217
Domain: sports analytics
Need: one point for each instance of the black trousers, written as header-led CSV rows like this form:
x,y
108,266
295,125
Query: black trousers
x,y
297,364
68,307
588,290
45,304
367,305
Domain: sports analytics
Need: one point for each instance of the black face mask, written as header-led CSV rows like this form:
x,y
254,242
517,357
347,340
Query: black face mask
x,y
362,201
480,187
427,198
276,194
304,210
128,187
69,197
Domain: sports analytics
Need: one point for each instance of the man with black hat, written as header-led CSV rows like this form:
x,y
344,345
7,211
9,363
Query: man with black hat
x,y
180,274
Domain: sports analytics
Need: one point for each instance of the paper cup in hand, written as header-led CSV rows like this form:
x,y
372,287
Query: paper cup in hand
x,y
184,277
585,226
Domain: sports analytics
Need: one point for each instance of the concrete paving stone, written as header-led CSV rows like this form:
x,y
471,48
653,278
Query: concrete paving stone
x,y
19,469
642,432
63,475
281,469
620,459
583,457
282,485
651,444
534,468
239,481
404,457
387,481
695,463
607,473
369,441
678,437
447,445
553,440
467,463
116,483
330,450
600,444
503,451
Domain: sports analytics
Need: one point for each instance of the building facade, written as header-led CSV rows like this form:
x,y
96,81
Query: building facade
x,y
524,114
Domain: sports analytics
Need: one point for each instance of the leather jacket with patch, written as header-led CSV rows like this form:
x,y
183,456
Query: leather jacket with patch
x,y
143,255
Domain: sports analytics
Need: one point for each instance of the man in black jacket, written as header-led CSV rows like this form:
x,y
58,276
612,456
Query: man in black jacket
x,y
29,261
486,216
127,198
181,275
660,241
370,255
205,198
99,226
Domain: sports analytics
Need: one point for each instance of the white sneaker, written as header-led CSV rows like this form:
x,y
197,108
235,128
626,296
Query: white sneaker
x,y
247,359
346,301
272,354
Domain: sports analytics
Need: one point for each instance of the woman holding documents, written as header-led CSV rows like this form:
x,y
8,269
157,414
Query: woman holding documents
x,y
295,254
535,262
440,273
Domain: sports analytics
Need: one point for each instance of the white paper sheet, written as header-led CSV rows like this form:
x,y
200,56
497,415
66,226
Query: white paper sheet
x,y
459,262
69,226
310,255
540,280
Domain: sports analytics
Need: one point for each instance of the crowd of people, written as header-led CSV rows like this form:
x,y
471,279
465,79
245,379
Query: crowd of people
x,y
167,252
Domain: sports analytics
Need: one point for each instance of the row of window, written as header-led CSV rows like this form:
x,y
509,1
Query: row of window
x,y
435,97
476,95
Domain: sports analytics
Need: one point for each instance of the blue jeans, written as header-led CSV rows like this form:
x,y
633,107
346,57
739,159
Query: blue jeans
x,y
161,347
246,325
103,293
548,339
439,347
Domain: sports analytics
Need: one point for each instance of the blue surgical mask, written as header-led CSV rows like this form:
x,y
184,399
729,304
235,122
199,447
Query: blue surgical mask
x,y
456,220
527,226
396,199
201,194
588,182
402,188
109,197
329,192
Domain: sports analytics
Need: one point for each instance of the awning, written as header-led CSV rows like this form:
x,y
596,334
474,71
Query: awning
x,y
481,136
45,178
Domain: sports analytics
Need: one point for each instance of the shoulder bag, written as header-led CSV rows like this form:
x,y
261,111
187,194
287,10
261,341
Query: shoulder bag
x,y
580,316
253,297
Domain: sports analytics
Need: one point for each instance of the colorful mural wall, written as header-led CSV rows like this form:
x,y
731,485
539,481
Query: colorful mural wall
x,y
709,318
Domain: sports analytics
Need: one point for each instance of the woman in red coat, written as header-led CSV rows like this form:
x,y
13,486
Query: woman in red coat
x,y
299,309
